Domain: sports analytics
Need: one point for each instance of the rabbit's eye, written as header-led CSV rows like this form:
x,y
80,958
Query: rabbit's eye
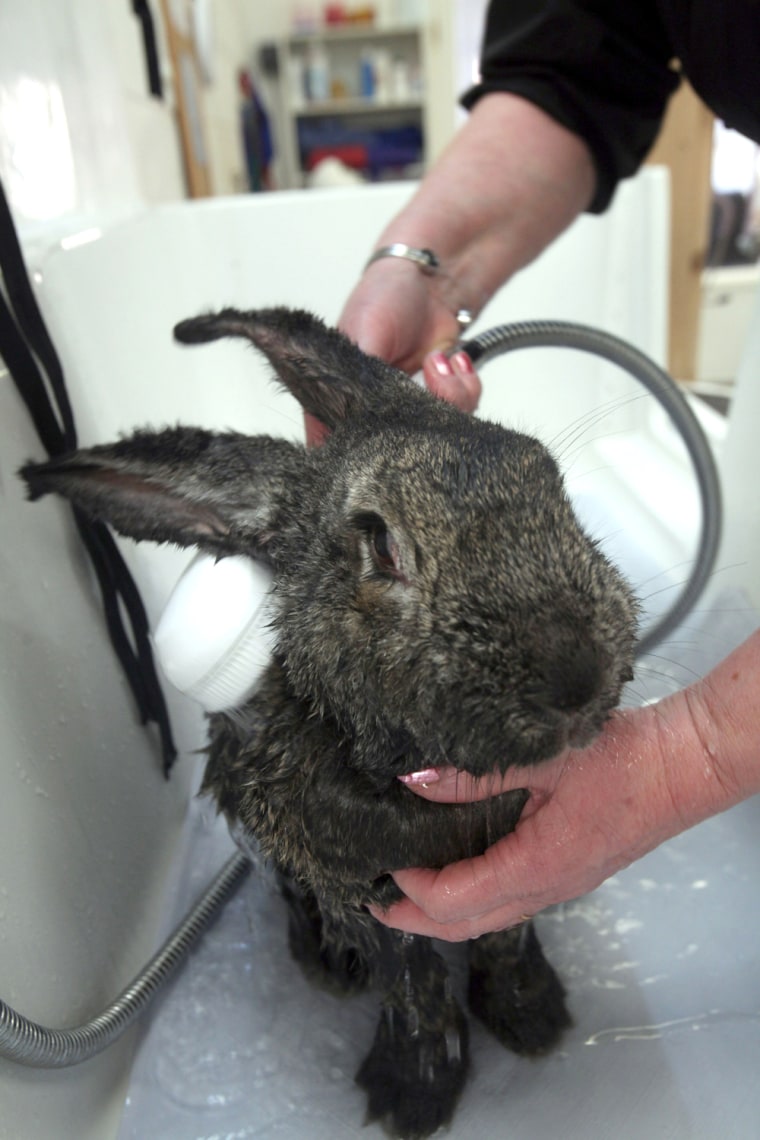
x,y
385,552
382,548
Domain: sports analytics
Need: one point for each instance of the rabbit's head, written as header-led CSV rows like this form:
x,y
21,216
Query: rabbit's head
x,y
435,594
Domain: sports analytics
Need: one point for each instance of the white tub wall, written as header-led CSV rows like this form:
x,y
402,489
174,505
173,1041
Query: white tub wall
x,y
286,249
309,251
89,832
111,305
739,559
88,826
726,313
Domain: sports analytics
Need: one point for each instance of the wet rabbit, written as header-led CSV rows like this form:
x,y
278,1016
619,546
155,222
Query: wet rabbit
x,y
436,603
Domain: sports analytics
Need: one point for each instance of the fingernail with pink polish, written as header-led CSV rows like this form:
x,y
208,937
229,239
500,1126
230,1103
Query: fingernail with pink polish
x,y
424,776
441,364
462,362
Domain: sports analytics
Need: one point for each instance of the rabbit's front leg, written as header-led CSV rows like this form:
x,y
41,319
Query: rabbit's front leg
x,y
419,1060
515,992
326,959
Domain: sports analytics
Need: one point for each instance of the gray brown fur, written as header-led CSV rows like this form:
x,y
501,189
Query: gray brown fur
x,y
436,602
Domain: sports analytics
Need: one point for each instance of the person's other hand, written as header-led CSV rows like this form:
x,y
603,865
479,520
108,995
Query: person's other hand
x,y
393,313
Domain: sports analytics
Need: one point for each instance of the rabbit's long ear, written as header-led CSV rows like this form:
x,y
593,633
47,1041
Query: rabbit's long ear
x,y
327,373
220,492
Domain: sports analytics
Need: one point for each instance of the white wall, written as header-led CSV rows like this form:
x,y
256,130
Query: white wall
x,y
231,51
78,130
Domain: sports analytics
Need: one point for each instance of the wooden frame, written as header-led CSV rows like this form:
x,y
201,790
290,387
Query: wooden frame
x,y
685,146
176,18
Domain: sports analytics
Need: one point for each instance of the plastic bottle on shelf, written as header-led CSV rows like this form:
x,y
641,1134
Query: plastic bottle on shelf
x,y
381,60
366,75
317,74
401,81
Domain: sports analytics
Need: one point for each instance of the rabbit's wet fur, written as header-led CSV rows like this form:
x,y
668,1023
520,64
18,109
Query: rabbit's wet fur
x,y
436,602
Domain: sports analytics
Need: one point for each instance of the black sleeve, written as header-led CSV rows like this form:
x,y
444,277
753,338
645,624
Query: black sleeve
x,y
601,68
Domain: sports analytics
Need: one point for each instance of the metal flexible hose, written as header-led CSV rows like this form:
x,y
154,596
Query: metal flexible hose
x,y
567,334
28,1043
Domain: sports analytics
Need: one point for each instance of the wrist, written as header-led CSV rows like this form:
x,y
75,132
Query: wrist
x,y
427,262
708,737
723,712
511,180
442,264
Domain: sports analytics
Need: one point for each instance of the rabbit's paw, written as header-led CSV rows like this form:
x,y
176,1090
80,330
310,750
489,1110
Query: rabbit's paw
x,y
515,991
413,1075
338,969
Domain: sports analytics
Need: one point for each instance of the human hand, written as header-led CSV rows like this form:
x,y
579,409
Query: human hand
x,y
395,313
509,182
590,813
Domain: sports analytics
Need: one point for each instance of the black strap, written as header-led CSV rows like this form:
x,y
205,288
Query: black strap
x,y
36,371
28,379
31,325
141,9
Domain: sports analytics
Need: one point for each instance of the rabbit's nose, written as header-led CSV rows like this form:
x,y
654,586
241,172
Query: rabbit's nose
x,y
573,677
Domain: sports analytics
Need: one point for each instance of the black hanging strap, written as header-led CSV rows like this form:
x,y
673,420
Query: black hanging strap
x,y
141,9
36,371
28,379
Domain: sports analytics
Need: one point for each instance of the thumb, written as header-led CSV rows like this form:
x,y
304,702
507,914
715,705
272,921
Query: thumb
x,y
453,378
500,888
449,785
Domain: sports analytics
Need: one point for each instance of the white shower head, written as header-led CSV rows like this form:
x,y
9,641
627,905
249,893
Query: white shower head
x,y
214,638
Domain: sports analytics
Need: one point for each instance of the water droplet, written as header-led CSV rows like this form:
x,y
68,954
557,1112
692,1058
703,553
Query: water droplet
x,y
662,1029
453,1045
389,1018
624,925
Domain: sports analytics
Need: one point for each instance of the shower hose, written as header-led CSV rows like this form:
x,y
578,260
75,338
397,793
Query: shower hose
x,y
28,1043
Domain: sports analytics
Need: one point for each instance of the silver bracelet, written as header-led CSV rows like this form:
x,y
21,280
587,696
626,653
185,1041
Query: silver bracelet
x,y
425,258
428,262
